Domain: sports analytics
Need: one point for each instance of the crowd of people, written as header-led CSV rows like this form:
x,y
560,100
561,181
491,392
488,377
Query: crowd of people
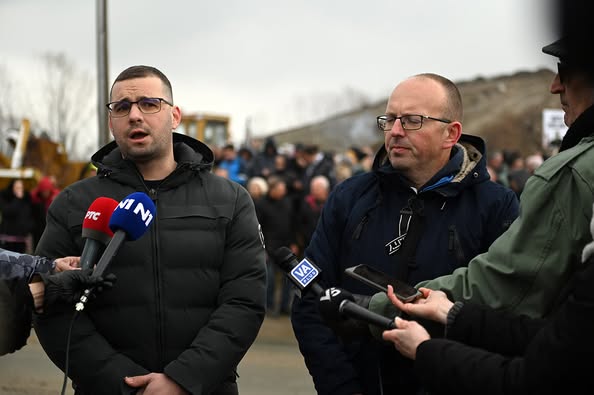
x,y
504,303
23,212
509,168
289,186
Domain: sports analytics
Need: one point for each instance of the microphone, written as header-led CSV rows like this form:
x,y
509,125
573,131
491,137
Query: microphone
x,y
336,304
129,221
303,274
95,229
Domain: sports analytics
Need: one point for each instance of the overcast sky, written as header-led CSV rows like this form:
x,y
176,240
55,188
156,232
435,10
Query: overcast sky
x,y
270,60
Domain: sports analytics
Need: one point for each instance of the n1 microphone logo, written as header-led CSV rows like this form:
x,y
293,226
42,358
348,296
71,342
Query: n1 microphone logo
x,y
145,214
93,215
304,272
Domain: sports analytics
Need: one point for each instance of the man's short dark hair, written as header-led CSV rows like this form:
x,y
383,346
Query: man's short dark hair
x,y
142,72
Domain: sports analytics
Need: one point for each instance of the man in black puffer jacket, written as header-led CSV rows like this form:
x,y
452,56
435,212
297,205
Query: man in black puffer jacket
x,y
190,297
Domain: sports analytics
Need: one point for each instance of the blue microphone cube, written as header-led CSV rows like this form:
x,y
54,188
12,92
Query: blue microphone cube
x,y
304,273
133,215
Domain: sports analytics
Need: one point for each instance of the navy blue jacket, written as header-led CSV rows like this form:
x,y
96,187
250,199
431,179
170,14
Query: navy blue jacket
x,y
460,213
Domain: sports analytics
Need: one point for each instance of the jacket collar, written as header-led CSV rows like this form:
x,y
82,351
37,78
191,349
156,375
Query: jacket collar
x,y
188,152
466,166
582,127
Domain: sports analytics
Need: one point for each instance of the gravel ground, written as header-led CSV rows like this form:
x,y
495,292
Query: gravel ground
x,y
272,366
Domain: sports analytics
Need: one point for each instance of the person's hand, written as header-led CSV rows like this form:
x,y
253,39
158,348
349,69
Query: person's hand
x,y
406,337
433,305
155,384
67,263
67,287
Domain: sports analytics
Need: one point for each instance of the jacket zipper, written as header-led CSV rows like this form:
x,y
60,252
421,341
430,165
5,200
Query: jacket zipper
x,y
159,310
360,226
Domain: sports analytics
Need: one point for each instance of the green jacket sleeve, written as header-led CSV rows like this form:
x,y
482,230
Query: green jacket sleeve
x,y
525,268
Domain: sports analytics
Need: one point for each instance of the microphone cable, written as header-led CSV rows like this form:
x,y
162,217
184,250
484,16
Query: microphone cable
x,y
67,359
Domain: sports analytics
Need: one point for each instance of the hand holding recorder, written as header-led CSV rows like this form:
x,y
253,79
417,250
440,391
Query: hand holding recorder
x,y
433,305
380,281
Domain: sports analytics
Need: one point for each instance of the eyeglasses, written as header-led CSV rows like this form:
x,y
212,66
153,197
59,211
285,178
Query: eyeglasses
x,y
385,123
147,105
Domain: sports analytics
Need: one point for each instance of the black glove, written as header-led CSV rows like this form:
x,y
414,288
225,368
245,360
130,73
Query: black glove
x,y
67,287
350,329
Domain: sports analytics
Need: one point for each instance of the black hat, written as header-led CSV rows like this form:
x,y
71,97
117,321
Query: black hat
x,y
557,48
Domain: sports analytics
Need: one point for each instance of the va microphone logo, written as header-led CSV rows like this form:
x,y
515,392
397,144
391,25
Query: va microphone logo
x,y
138,208
305,272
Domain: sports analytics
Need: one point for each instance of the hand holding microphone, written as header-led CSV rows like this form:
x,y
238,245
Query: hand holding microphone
x,y
335,304
129,221
67,286
304,275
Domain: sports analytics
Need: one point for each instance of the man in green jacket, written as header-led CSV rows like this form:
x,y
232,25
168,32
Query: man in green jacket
x,y
525,269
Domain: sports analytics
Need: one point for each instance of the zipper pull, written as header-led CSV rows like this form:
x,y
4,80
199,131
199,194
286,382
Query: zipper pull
x,y
359,228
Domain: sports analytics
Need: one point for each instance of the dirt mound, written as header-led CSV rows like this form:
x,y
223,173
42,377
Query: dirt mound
x,y
506,111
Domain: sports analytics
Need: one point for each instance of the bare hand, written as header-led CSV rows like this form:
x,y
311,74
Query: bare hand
x,y
433,305
67,263
155,384
407,337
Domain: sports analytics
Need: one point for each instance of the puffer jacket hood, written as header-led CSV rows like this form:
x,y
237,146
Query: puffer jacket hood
x,y
467,165
187,150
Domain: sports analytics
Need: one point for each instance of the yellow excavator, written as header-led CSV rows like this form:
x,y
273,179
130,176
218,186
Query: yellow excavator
x,y
211,129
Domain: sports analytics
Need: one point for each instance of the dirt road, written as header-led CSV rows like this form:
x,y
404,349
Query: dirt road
x,y
272,366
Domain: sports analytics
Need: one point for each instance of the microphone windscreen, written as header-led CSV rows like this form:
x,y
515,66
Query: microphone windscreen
x,y
96,223
329,304
283,258
133,215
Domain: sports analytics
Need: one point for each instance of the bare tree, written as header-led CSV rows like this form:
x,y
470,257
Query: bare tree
x,y
9,120
70,102
8,117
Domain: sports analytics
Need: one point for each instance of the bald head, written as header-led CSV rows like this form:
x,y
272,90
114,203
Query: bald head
x,y
319,187
452,109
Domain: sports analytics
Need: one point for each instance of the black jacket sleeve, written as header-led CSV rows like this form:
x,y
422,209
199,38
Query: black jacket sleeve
x,y
543,357
16,306
495,331
16,302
